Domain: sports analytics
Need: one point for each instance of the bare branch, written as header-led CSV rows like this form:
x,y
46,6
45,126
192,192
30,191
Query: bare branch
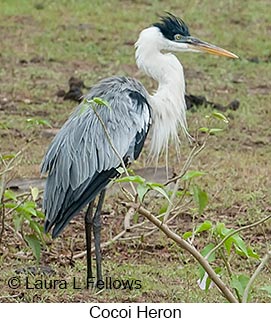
x,y
191,249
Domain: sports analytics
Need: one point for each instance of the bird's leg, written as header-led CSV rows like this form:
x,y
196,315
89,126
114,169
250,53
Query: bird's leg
x,y
97,235
88,229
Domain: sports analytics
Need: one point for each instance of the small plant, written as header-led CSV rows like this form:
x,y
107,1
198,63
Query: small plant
x,y
22,208
143,186
26,218
36,122
222,243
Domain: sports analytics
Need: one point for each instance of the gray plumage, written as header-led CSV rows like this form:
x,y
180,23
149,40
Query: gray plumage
x,y
80,161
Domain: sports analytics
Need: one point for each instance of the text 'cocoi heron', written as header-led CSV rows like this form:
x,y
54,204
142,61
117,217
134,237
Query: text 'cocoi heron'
x,y
81,161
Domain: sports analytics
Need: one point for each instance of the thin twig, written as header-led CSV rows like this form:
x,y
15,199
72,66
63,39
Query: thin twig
x,y
16,232
110,241
105,244
127,194
139,237
19,204
234,232
229,271
113,147
6,170
191,156
227,264
170,205
2,216
119,235
194,152
255,275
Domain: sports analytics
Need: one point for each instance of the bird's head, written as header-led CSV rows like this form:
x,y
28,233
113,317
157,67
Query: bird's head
x,y
175,36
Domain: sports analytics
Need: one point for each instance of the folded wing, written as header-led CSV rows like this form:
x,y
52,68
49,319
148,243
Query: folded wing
x,y
80,161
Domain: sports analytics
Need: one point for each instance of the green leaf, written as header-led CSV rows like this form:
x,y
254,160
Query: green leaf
x,y
208,281
215,130
17,220
28,208
153,184
211,258
34,244
221,230
131,171
10,195
34,193
235,240
218,228
240,244
220,116
7,157
26,216
163,208
204,129
142,189
44,123
84,106
30,203
192,174
100,101
36,227
31,211
206,250
187,235
239,282
200,198
10,205
40,214
228,244
252,253
205,226
135,179
161,191
38,122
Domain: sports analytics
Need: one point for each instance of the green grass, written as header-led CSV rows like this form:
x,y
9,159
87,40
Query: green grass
x,y
93,41
170,282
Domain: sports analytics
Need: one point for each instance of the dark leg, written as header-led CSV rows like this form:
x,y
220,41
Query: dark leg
x,y
88,229
97,235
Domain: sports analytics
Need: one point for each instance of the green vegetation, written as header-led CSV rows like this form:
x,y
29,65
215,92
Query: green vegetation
x,y
43,44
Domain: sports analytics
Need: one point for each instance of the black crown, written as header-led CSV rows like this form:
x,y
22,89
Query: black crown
x,y
171,26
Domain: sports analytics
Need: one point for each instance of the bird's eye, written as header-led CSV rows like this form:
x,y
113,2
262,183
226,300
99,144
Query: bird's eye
x,y
178,37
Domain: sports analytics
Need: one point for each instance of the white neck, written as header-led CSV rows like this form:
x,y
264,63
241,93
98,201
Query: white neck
x,y
168,102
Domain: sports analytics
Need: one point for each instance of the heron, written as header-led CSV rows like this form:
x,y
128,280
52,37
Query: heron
x,y
81,161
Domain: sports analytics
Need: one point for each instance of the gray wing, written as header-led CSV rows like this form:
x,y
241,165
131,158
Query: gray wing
x,y
80,161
